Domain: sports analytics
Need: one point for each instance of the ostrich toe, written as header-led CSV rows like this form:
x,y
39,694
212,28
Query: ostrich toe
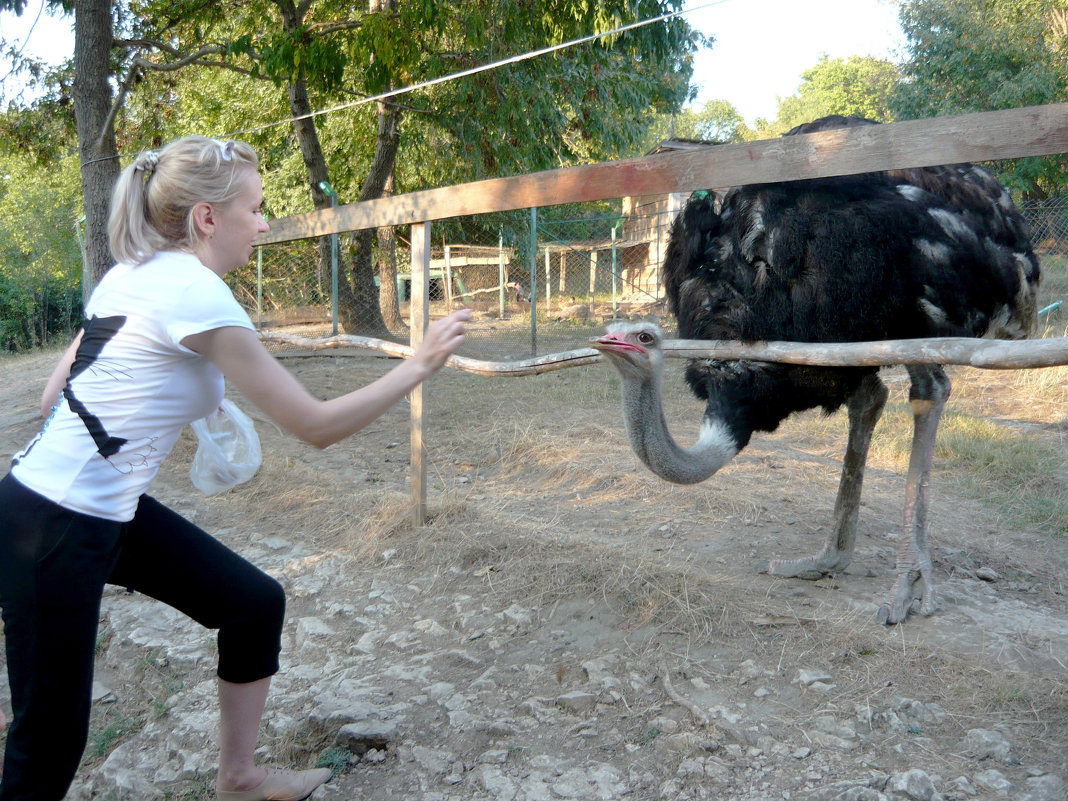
x,y
912,589
809,568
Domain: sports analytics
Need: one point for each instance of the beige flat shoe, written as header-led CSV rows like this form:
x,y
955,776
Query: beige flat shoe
x,y
280,785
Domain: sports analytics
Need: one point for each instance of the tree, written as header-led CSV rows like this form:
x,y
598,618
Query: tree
x,y
40,262
716,121
855,86
92,102
981,55
577,104
96,135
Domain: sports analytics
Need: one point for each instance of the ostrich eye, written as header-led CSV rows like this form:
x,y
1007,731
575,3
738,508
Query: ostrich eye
x,y
645,337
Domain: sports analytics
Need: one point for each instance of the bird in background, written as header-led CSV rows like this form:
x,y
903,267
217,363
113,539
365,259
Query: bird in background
x,y
925,252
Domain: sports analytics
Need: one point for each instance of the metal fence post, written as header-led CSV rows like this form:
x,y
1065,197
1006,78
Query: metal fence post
x,y
533,282
548,283
259,286
329,190
614,276
500,268
448,277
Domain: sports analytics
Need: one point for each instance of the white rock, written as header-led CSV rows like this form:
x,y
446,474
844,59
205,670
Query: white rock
x,y
576,702
1043,788
102,694
313,630
430,628
434,761
499,786
125,770
913,784
984,744
994,779
806,678
962,785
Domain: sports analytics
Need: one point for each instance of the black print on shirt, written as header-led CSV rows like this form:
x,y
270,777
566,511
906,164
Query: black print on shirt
x,y
97,333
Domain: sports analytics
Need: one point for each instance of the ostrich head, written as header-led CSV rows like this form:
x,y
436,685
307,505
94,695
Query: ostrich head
x,y
636,351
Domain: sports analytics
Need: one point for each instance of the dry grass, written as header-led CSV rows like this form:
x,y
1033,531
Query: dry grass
x,y
536,500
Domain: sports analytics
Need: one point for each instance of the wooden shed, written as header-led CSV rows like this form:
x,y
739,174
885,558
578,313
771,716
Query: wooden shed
x,y
648,220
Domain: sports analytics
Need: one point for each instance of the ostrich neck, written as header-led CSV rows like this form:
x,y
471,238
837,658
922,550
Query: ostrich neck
x,y
643,412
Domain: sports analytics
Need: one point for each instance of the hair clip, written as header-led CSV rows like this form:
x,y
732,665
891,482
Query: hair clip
x,y
146,162
226,149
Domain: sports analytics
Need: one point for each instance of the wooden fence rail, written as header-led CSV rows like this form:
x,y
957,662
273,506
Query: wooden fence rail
x,y
991,354
988,136
992,135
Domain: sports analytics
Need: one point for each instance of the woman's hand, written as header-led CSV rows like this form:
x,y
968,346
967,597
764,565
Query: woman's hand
x,y
442,339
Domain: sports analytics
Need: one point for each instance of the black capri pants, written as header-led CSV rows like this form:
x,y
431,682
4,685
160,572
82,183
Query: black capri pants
x,y
54,564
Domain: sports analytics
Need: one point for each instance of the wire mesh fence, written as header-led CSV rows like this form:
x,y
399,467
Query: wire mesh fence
x,y
537,283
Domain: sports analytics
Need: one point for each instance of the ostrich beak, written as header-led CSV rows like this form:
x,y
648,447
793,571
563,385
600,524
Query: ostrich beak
x,y
614,343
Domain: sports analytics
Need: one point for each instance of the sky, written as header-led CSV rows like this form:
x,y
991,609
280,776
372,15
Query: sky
x,y
49,38
761,47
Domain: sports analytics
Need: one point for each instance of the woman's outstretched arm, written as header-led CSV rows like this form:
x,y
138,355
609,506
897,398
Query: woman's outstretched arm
x,y
249,368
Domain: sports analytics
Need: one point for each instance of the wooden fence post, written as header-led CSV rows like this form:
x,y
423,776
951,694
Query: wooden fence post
x,y
420,314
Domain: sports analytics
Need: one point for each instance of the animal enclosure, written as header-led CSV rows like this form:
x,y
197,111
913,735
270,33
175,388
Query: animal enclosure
x,y
977,137
286,293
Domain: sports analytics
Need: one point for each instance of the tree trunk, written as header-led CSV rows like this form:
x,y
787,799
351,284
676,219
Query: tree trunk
x,y
387,273
357,296
96,138
315,167
363,315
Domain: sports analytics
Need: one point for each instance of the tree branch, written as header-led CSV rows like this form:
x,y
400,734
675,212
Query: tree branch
x,y
991,354
120,98
335,26
183,60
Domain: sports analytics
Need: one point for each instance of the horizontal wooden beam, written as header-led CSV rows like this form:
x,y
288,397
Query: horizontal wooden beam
x,y
994,354
987,136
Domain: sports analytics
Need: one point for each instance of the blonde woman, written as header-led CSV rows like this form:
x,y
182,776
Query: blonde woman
x,y
161,331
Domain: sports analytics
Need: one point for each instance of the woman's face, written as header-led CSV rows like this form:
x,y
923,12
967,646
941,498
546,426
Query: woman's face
x,y
237,224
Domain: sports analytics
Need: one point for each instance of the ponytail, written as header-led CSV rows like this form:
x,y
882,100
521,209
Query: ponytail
x,y
152,202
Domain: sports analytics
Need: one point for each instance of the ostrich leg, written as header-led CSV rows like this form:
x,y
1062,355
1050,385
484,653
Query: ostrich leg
x,y
865,407
915,573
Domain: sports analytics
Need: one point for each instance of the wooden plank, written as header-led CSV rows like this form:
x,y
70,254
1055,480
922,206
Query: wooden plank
x,y
987,136
419,319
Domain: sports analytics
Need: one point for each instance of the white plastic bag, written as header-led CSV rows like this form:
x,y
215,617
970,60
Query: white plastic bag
x,y
229,450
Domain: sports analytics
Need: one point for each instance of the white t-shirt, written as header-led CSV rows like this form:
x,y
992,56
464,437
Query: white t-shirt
x,y
133,386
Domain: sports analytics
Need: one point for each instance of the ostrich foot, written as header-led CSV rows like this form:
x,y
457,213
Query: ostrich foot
x,y
913,588
809,568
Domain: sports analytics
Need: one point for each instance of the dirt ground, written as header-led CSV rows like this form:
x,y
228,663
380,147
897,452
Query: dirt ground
x,y
558,583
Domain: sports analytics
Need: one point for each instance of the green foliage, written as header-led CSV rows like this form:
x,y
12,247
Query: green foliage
x,y
976,55
337,759
581,103
716,121
40,260
981,55
855,86
113,730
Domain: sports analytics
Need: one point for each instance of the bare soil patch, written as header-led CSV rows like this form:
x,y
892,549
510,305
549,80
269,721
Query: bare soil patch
x,y
555,567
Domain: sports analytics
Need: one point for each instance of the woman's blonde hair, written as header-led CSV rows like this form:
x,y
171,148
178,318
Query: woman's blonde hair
x,y
152,203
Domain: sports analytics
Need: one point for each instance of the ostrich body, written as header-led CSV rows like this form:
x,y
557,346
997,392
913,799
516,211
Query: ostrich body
x,y
929,252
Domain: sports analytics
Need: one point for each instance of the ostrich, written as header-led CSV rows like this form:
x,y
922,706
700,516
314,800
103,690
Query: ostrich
x,y
929,252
